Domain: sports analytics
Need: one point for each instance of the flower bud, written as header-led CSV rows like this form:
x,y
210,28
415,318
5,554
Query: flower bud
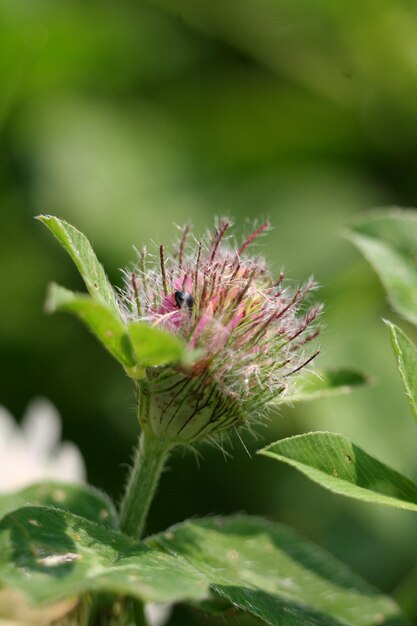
x,y
251,334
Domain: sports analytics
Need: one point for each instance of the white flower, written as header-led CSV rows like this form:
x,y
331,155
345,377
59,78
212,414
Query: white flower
x,y
32,451
158,614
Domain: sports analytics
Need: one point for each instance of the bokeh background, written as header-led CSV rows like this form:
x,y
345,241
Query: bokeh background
x,y
129,117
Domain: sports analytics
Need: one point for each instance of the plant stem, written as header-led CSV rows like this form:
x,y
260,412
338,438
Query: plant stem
x,y
150,458
149,461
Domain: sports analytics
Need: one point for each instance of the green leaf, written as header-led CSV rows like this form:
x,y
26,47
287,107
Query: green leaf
x,y
80,499
268,570
260,567
98,317
154,346
83,255
324,384
388,240
406,354
50,555
337,464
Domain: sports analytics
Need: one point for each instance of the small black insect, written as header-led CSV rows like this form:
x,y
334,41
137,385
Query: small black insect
x,y
182,298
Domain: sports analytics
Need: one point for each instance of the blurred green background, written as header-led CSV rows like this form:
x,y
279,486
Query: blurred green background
x,y
129,117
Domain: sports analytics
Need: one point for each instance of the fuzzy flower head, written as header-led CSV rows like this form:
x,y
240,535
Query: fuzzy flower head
x,y
250,332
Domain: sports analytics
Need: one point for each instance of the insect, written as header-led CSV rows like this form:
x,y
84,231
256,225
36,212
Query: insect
x,y
182,298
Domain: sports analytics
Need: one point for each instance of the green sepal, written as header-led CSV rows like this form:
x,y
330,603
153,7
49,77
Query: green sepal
x,y
154,346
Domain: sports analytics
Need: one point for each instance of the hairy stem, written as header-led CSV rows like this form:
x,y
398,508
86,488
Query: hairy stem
x,y
150,458
149,461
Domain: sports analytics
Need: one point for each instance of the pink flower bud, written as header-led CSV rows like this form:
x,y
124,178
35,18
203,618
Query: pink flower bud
x,y
252,333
